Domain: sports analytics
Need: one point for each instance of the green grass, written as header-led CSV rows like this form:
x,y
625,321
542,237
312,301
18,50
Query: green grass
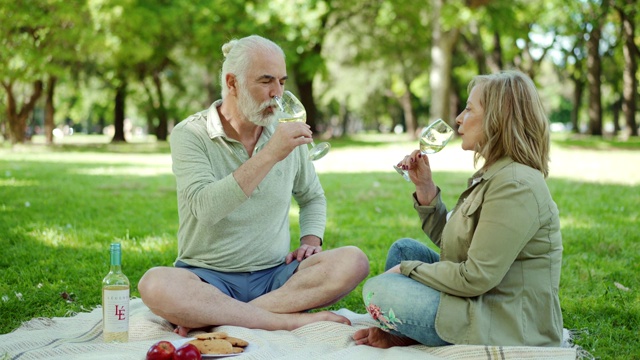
x,y
61,207
592,142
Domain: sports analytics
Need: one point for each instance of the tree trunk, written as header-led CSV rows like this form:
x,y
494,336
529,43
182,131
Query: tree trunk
x,y
616,107
213,91
118,119
304,82
18,118
407,110
441,60
496,63
455,103
474,47
49,110
629,79
161,129
578,89
306,97
344,115
594,73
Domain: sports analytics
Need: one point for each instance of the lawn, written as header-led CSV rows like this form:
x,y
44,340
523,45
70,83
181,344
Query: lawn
x,y
61,207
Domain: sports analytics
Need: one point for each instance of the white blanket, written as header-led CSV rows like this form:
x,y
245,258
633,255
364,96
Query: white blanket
x,y
80,337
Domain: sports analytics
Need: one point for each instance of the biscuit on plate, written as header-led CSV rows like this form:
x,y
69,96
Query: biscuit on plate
x,y
212,335
213,346
236,341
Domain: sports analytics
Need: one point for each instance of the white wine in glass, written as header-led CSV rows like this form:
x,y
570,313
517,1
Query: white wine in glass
x,y
432,139
292,110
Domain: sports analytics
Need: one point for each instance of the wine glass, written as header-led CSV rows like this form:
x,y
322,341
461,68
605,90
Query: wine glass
x,y
292,110
432,139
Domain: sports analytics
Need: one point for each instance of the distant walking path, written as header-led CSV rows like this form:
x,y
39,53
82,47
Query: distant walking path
x,y
598,166
614,167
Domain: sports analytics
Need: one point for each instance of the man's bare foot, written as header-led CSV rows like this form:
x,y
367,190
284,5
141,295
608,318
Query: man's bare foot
x,y
378,338
184,331
291,322
181,330
301,319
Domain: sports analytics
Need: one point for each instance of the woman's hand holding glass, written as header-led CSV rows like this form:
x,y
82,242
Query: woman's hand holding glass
x,y
415,167
418,170
432,139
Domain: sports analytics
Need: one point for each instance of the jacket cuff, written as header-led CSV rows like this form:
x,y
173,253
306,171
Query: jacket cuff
x,y
406,267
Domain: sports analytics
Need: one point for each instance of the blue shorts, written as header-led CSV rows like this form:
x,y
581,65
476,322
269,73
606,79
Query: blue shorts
x,y
245,286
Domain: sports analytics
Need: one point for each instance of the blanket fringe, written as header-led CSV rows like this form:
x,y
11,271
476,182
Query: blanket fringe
x,y
569,341
43,322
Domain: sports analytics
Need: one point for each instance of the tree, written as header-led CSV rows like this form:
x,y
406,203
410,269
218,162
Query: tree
x,y
44,41
566,20
301,27
160,61
132,42
627,10
595,13
212,23
21,64
391,49
17,115
444,36
574,65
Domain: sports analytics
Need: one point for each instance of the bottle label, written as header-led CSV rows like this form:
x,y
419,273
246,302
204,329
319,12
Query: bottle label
x,y
116,310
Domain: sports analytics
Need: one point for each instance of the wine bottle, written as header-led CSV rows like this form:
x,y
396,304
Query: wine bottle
x,y
115,300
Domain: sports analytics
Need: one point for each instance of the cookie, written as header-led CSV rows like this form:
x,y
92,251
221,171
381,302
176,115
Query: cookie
x,y
236,341
212,335
198,344
213,346
237,350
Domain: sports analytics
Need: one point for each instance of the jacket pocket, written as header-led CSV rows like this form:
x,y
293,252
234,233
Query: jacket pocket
x,y
470,207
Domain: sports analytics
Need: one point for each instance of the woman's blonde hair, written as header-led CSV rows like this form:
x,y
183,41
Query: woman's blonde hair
x,y
515,123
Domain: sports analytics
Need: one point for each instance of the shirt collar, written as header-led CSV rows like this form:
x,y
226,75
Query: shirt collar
x,y
215,129
214,125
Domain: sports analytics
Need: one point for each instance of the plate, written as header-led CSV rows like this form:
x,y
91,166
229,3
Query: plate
x,y
251,347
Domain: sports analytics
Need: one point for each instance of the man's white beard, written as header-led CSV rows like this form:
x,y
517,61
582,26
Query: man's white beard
x,y
254,111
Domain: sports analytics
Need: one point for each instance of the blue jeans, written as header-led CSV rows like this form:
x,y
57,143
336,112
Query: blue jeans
x,y
401,305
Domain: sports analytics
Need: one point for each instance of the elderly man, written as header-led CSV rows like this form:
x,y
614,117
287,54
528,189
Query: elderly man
x,y
236,169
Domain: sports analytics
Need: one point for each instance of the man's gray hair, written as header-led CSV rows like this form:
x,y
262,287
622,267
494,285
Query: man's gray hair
x,y
239,53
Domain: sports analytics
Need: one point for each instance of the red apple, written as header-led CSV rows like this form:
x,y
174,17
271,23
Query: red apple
x,y
187,352
162,350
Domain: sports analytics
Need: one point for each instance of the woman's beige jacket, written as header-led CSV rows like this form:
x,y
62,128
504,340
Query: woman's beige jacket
x,y
500,260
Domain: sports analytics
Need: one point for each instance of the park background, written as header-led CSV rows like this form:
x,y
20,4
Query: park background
x,y
91,90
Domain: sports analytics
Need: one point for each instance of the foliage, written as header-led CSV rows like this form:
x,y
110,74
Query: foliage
x,y
361,57
61,207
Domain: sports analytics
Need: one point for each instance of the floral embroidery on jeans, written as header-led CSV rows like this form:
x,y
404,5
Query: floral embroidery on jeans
x,y
387,321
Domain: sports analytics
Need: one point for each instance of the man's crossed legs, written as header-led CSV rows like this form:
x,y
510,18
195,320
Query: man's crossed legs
x,y
181,297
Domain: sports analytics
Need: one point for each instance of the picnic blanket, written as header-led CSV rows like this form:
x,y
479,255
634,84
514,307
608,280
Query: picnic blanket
x,y
80,337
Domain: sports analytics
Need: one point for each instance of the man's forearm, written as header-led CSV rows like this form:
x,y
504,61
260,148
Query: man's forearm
x,y
253,171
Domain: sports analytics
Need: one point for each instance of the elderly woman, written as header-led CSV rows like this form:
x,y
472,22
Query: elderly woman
x,y
496,278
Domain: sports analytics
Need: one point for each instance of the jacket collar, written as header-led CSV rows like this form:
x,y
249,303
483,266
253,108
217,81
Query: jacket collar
x,y
489,173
